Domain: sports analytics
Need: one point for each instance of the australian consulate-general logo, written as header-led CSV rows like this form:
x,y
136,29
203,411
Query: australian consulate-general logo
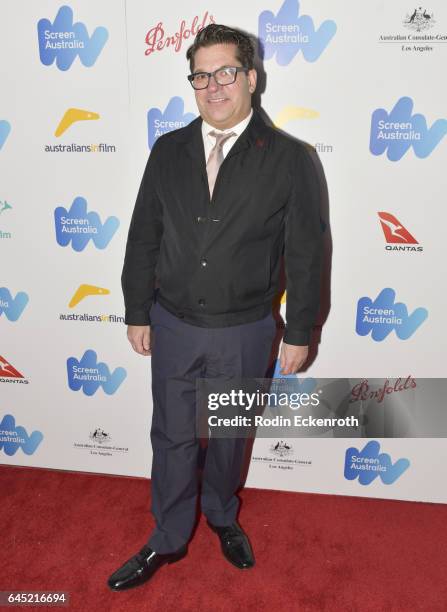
x,y
420,35
100,443
419,20
280,456
281,448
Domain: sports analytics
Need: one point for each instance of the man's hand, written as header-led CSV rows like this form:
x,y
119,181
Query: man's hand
x,y
139,337
292,358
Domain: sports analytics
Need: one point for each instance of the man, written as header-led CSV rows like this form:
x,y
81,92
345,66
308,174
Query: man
x,y
220,201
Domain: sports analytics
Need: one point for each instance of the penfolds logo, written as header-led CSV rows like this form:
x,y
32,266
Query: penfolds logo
x,y
157,40
363,391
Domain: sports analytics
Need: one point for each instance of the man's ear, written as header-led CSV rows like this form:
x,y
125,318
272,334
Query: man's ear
x,y
252,77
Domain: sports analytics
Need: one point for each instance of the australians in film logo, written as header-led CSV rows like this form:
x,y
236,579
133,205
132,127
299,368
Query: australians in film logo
x,y
83,292
289,32
157,38
370,463
12,307
5,128
100,443
78,227
399,130
418,33
4,207
87,374
292,113
64,41
9,374
172,118
383,315
13,437
397,237
73,117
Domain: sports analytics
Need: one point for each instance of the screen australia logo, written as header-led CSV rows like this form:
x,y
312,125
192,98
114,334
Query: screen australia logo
x,y
12,307
78,227
172,118
399,130
88,375
64,40
5,128
383,315
13,437
288,33
370,463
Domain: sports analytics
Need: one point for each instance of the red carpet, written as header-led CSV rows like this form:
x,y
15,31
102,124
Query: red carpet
x,y
69,531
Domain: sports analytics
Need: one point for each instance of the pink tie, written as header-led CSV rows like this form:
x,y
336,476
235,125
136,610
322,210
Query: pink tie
x,y
216,157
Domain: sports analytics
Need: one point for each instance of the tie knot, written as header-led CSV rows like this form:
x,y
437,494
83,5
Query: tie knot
x,y
221,137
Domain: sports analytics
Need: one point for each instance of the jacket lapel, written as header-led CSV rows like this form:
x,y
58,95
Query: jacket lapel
x,y
254,136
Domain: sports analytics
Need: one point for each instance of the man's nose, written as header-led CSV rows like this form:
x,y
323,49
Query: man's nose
x,y
213,84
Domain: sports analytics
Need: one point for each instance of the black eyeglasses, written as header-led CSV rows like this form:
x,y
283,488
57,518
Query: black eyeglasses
x,y
223,76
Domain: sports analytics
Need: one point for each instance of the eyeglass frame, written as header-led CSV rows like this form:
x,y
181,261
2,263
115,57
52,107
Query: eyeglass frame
x,y
236,69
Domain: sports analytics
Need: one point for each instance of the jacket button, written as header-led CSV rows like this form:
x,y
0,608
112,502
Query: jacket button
x,y
202,302
201,219
203,263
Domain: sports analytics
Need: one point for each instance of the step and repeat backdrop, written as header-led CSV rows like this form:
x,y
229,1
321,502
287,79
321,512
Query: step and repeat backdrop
x,y
87,88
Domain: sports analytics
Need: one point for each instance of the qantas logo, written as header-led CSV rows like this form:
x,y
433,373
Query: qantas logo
x,y
8,372
397,234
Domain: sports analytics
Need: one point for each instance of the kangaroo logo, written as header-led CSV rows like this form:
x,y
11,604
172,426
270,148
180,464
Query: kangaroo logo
x,y
63,40
172,118
12,307
383,315
400,130
89,375
5,128
368,464
78,227
394,231
13,437
288,33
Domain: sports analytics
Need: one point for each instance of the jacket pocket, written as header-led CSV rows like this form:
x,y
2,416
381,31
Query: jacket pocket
x,y
253,277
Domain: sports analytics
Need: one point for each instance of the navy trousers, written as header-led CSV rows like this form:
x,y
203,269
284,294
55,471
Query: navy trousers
x,y
181,353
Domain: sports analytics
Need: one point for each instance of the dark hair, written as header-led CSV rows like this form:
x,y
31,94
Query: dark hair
x,y
215,34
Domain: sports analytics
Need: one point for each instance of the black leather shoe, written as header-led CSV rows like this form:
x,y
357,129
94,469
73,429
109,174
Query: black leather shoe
x,y
235,545
142,566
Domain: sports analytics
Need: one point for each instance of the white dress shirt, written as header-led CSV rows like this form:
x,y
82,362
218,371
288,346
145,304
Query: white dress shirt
x,y
210,141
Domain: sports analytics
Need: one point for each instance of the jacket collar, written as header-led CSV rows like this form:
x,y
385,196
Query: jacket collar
x,y
255,134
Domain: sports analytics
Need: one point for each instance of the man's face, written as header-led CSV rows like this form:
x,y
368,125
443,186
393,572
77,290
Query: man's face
x,y
223,106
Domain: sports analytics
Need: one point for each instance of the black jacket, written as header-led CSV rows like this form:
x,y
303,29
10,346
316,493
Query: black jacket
x,y
217,263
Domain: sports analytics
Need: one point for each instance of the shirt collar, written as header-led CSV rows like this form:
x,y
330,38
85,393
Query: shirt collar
x,y
237,129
